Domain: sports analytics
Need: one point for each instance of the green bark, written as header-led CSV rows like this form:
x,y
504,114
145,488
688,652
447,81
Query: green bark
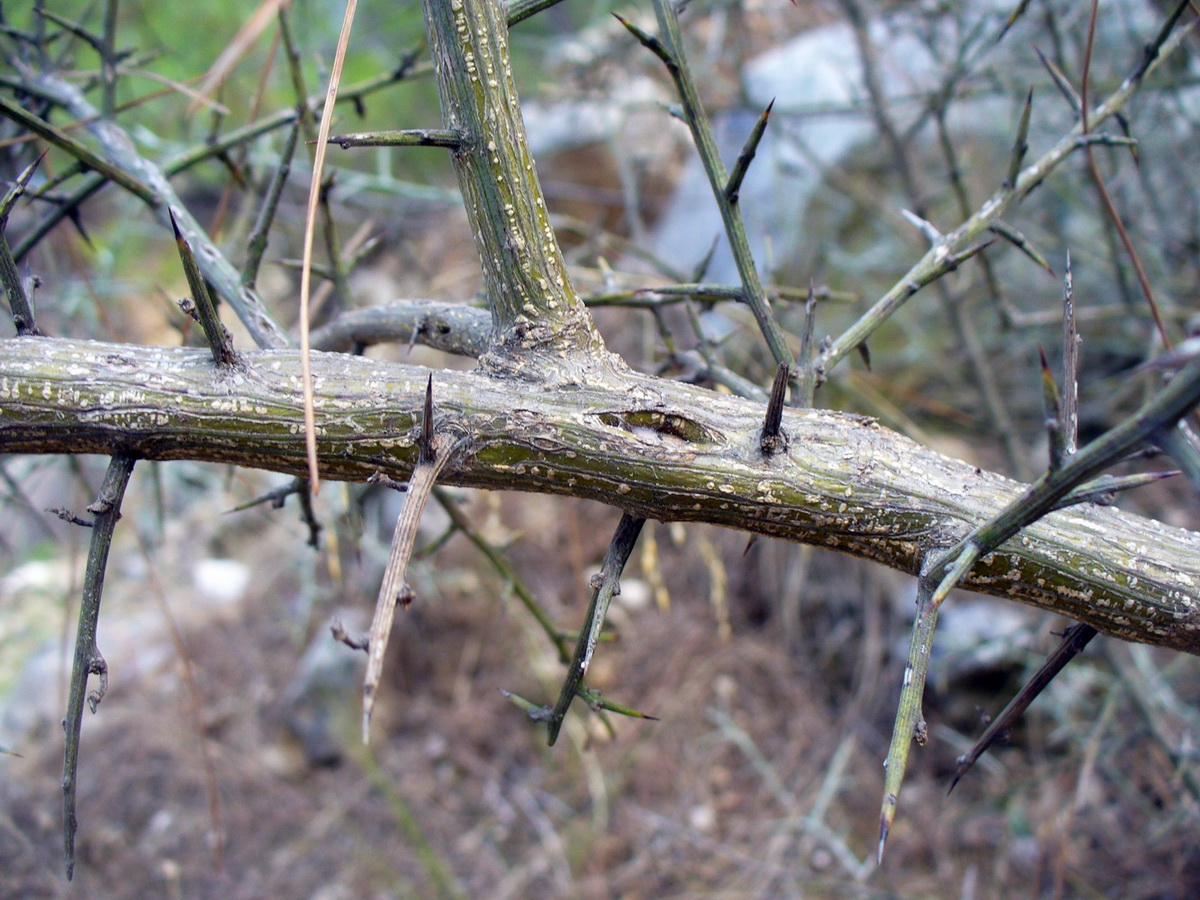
x,y
654,448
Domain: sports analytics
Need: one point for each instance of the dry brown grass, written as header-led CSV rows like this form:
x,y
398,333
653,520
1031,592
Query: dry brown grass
x,y
719,798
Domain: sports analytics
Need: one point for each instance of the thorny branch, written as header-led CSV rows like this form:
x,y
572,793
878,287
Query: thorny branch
x,y
593,429
88,660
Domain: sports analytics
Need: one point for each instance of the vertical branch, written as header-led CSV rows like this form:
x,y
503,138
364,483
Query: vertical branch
x,y
88,660
536,311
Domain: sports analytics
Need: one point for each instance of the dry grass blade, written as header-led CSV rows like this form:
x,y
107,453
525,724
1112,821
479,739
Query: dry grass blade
x,y
436,450
310,222
178,87
1070,356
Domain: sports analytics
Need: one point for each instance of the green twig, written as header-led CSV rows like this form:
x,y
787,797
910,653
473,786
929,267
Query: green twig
x,y
669,48
605,586
1161,412
65,142
256,244
119,151
18,302
520,10
88,660
947,252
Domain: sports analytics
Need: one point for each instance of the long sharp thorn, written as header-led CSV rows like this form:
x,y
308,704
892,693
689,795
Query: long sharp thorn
x,y
1060,81
1012,19
1054,423
18,186
1181,445
910,722
702,267
1069,418
1074,640
742,165
1018,240
1103,490
772,439
604,587
19,304
649,41
426,439
219,342
1020,144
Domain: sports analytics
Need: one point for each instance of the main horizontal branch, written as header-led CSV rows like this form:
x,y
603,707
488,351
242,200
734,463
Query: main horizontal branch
x,y
654,448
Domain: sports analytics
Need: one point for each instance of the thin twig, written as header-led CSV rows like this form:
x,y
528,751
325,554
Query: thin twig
x,y
934,263
64,141
1105,197
605,586
1161,412
408,137
14,288
118,149
88,660
256,244
1074,640
669,48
